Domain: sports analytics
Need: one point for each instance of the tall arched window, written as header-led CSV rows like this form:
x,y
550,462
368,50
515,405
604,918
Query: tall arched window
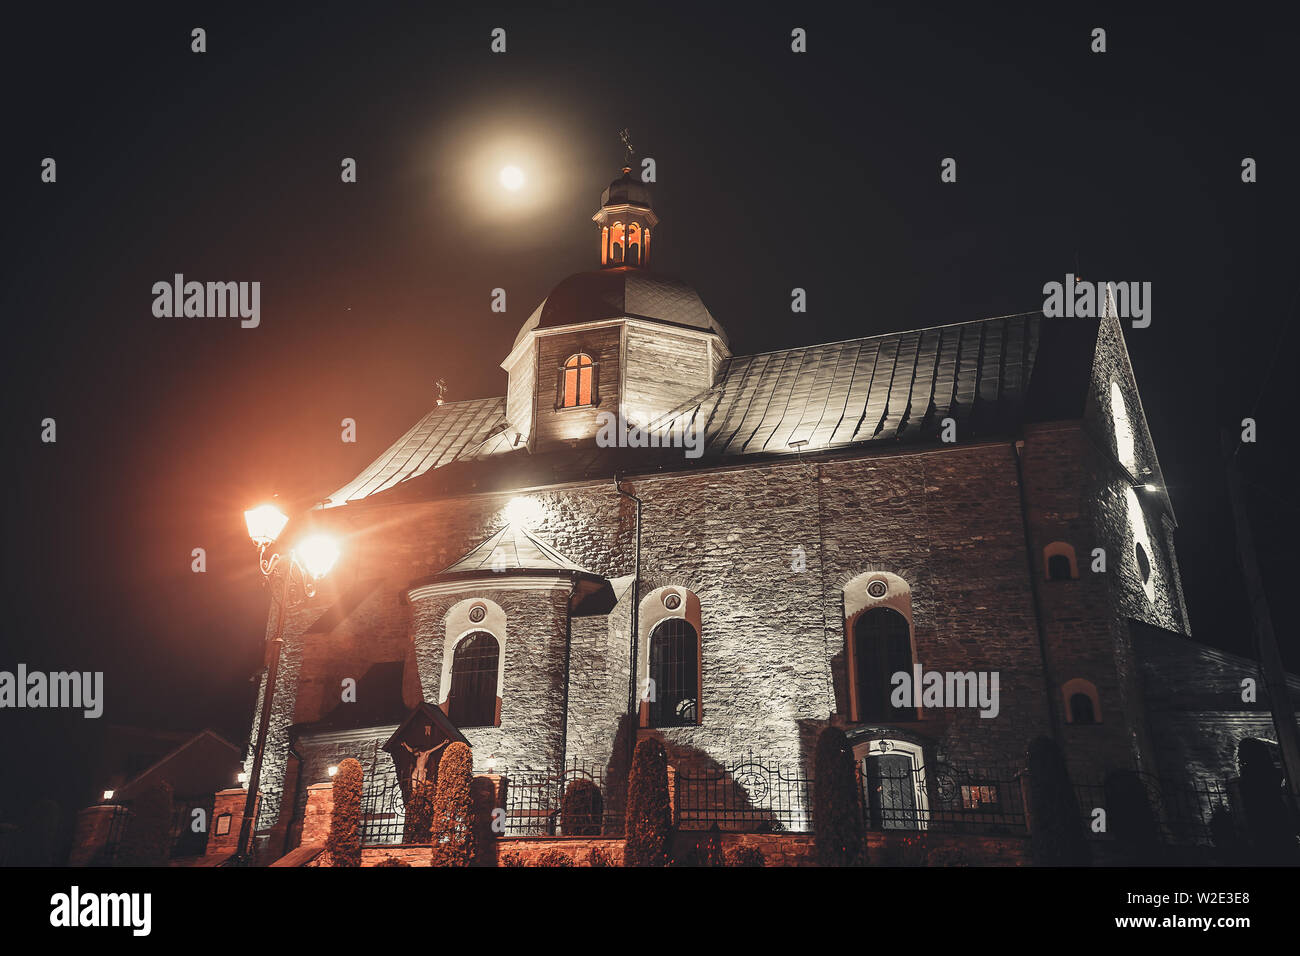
x,y
882,646
473,698
578,381
675,670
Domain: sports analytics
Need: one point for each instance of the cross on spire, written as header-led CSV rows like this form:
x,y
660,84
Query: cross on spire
x,y
625,135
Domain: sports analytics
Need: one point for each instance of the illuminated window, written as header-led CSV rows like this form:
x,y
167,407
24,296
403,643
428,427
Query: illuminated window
x,y
979,797
578,381
473,698
633,244
616,242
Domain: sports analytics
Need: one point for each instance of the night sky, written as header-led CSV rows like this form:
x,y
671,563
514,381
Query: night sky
x,y
775,170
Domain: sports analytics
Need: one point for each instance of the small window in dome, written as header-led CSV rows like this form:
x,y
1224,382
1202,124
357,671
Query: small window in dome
x,y
577,382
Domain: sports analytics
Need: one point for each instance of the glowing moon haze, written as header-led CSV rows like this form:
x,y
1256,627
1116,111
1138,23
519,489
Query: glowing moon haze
x,y
512,178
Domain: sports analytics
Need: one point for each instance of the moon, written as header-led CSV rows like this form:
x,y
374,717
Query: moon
x,y
512,178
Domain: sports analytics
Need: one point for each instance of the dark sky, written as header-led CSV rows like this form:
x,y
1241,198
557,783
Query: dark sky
x,y
774,171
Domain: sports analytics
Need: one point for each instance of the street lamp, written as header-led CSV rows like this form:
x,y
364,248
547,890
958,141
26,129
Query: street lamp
x,y
297,573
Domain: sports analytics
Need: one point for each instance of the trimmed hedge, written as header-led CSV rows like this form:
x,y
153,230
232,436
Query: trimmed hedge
x,y
1057,836
452,830
344,841
649,817
838,833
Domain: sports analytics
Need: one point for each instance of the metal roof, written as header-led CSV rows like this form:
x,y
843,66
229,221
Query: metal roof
x,y
512,548
624,291
456,431
884,387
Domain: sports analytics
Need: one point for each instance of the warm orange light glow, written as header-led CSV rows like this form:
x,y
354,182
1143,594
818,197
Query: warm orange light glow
x,y
265,522
318,552
577,381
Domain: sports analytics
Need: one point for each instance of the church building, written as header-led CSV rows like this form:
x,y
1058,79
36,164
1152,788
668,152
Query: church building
x,y
645,534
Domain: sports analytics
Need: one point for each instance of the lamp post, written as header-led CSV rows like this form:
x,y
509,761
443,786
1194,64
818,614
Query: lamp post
x,y
310,561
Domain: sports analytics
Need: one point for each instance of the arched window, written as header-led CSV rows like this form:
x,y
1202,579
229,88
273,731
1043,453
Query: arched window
x,y
675,671
473,698
616,243
633,244
1125,445
577,381
1060,562
1081,709
1082,705
882,646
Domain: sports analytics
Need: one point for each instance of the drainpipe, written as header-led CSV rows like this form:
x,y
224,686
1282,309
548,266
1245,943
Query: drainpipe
x,y
636,601
1017,450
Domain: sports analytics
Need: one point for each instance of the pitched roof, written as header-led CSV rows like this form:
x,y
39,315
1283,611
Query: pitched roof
x,y
457,431
883,387
895,387
512,548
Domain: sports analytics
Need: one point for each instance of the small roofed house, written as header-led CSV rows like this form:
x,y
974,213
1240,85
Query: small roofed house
x,y
134,761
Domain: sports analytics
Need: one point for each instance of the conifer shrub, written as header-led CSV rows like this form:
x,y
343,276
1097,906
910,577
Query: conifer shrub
x,y
1130,818
147,838
838,833
581,810
452,830
419,812
649,817
742,855
553,857
1057,836
1271,831
344,841
392,861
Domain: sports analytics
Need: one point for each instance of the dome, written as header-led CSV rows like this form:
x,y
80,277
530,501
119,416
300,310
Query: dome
x,y
616,293
626,190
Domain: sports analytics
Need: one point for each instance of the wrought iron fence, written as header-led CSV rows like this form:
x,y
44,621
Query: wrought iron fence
x,y
944,798
1183,811
535,801
748,794
383,812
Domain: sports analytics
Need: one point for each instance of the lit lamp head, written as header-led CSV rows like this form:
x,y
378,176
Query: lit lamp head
x,y
265,522
317,552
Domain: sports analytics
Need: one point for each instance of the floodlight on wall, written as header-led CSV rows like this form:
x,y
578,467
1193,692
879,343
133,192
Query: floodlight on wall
x,y
108,794
332,771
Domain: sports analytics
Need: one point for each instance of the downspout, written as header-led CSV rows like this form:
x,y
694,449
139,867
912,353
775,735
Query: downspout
x,y
636,601
1017,448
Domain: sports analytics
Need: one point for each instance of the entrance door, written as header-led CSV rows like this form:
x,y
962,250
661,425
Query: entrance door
x,y
894,780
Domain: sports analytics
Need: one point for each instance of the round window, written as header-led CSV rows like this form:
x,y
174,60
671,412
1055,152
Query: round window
x,y
672,601
477,613
1144,563
877,589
